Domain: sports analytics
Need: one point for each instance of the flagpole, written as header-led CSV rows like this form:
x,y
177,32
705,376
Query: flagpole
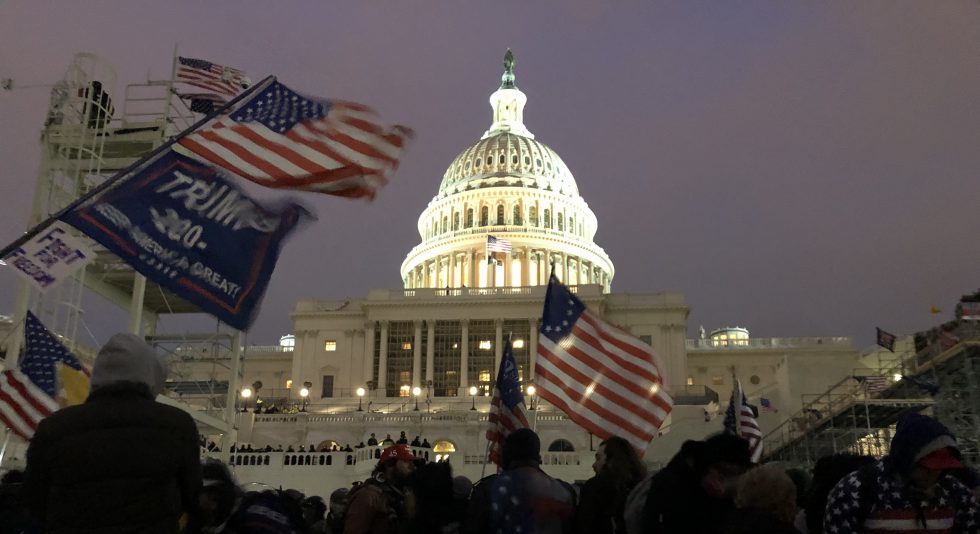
x,y
3,449
148,158
486,455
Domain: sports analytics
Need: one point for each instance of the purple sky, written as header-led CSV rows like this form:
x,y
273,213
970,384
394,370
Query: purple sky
x,y
797,168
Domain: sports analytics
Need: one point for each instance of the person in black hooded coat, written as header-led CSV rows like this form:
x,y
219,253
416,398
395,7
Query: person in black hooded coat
x,y
119,462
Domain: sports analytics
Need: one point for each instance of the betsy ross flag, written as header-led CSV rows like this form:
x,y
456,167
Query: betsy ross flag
x,y
224,81
885,339
507,410
603,378
47,371
280,139
740,420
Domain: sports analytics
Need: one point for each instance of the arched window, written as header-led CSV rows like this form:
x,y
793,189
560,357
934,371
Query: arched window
x,y
517,215
571,224
484,216
489,160
502,159
469,218
442,449
445,223
561,445
547,218
513,159
500,214
561,221
533,215
327,445
455,221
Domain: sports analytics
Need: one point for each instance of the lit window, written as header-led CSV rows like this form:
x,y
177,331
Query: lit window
x,y
289,384
330,345
484,376
485,345
405,391
690,380
518,343
406,346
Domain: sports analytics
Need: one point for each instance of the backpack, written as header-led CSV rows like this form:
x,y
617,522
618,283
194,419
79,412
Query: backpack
x,y
269,512
635,503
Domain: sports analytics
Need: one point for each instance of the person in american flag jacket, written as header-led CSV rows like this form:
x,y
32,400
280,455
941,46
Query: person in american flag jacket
x,y
910,490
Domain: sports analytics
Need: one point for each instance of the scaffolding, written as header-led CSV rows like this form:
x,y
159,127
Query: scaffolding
x,y
84,142
859,413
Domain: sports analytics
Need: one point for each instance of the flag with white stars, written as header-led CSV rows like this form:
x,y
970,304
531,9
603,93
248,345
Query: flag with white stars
x,y
27,394
507,410
605,379
740,420
281,139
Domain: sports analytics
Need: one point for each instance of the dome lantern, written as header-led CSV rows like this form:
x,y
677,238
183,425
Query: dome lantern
x,y
508,104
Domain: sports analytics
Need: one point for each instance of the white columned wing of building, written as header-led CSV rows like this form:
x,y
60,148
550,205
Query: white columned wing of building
x,y
417,355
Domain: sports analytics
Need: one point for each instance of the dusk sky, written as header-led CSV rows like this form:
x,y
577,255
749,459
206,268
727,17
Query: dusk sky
x,y
796,168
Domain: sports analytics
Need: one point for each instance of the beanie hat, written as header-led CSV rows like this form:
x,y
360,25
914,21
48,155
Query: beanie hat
x,y
127,358
521,444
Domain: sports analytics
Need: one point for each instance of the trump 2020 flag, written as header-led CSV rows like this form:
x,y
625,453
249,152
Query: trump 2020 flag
x,y
603,378
507,410
193,231
281,139
885,339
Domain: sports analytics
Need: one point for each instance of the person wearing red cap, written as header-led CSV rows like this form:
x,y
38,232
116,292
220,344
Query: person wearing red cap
x,y
381,505
910,490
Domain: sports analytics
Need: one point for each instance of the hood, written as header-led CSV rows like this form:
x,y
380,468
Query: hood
x,y
127,358
917,435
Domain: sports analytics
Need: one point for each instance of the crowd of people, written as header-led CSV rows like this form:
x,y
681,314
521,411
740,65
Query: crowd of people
x,y
372,441
122,462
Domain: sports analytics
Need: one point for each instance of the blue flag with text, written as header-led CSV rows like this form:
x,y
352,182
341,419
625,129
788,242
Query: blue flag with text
x,y
194,232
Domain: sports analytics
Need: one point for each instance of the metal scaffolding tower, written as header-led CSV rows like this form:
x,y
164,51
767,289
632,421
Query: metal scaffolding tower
x,y
86,140
859,415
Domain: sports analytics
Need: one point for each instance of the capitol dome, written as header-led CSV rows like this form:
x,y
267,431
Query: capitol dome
x,y
514,191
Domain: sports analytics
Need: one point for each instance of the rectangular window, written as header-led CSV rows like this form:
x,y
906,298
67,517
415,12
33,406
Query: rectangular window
x,y
481,359
445,358
690,380
330,345
400,335
327,390
647,339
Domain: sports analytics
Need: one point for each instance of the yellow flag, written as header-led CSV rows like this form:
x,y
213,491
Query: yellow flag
x,y
74,384
934,310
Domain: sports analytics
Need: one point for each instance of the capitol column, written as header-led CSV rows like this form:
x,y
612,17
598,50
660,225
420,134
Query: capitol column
x,y
532,349
471,269
508,268
417,355
451,280
498,346
383,361
368,351
464,357
525,266
430,352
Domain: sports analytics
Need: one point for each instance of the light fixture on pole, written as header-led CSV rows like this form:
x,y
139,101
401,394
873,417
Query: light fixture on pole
x,y
531,390
473,392
416,391
305,394
360,398
246,393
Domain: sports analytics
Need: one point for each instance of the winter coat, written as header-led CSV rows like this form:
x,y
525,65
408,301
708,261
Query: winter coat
x,y
677,502
120,462
376,508
526,499
880,495
600,508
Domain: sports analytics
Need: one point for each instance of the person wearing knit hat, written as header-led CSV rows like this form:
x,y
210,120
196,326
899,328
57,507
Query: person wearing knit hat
x,y
120,461
911,489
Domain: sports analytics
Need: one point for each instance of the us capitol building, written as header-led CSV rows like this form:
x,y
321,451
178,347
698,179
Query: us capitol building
x,y
422,359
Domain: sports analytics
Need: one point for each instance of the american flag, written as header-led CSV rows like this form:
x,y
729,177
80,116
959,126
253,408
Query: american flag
x,y
27,395
496,244
221,80
740,420
872,384
280,139
507,410
767,405
203,102
603,378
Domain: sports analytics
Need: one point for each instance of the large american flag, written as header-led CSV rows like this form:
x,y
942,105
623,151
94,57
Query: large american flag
x,y
28,394
603,378
280,139
225,81
872,384
740,420
496,244
507,410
